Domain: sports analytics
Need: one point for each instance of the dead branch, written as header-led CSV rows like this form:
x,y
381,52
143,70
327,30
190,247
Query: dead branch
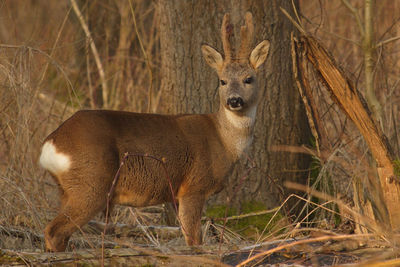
x,y
351,102
300,242
242,216
94,51
135,256
126,230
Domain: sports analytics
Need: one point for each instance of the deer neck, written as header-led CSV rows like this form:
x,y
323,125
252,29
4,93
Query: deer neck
x,y
236,129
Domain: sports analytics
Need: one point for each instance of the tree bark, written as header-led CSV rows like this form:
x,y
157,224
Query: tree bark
x,y
188,85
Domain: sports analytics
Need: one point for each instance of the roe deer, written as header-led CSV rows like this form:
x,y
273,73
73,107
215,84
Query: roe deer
x,y
85,152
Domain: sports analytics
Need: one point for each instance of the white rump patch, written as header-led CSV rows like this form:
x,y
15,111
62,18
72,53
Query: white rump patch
x,y
53,161
244,121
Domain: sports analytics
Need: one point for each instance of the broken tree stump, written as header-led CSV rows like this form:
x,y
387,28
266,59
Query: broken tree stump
x,y
344,93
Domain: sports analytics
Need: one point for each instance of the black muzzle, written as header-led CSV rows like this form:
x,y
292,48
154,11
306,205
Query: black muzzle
x,y
235,102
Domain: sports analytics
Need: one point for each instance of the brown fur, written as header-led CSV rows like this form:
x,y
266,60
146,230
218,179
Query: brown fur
x,y
199,151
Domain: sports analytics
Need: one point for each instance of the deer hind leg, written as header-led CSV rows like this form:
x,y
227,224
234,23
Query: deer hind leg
x,y
190,210
76,210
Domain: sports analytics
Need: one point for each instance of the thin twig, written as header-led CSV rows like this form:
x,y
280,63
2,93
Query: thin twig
x,y
190,258
148,234
298,26
260,239
368,221
242,216
300,242
94,51
55,63
356,16
54,46
387,41
149,96
296,14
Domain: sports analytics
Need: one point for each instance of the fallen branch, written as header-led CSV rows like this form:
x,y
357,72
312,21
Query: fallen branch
x,y
136,256
242,216
300,242
126,230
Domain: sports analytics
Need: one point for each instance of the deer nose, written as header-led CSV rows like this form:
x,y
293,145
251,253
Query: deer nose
x,y
235,102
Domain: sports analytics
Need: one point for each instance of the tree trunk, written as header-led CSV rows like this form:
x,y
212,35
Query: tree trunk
x,y
188,85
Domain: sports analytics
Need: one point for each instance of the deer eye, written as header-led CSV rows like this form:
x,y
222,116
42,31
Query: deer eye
x,y
248,80
223,82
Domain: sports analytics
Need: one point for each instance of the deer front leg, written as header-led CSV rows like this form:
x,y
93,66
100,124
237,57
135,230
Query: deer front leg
x,y
190,210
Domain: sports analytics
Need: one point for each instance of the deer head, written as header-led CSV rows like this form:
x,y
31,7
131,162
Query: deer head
x,y
237,71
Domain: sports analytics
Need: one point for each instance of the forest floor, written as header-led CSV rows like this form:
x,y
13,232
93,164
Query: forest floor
x,y
139,245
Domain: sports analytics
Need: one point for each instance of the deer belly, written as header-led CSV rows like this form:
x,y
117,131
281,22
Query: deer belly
x,y
142,192
142,188
137,199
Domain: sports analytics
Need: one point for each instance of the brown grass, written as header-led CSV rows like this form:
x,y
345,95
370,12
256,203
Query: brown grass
x,y
47,72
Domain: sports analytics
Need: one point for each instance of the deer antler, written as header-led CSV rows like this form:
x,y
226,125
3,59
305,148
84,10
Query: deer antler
x,y
226,33
246,37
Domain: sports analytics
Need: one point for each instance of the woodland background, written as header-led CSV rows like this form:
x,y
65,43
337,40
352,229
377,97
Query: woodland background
x,y
151,62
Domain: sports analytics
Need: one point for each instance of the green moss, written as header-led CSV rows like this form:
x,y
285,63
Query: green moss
x,y
218,211
396,166
252,226
7,259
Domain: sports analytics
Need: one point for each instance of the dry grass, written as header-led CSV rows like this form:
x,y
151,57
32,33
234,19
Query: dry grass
x,y
47,71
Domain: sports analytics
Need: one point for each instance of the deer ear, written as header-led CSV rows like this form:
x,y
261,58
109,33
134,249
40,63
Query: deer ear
x,y
212,57
259,54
